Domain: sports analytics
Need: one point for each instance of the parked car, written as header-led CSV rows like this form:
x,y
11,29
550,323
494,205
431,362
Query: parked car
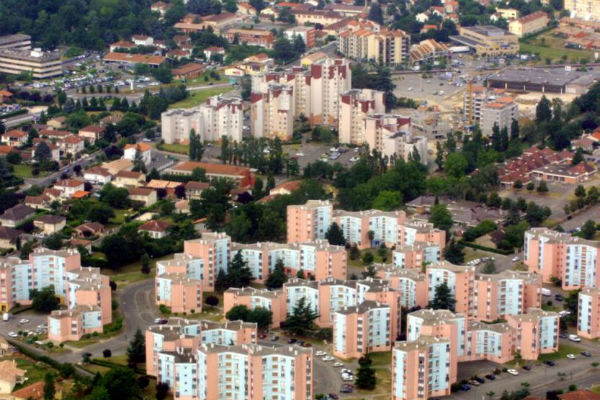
x,y
515,259
333,396
23,321
327,358
474,382
346,389
527,367
571,356
320,353
465,387
13,334
574,338
479,379
290,341
512,371
558,297
274,338
550,363
490,377
338,364
586,354
563,335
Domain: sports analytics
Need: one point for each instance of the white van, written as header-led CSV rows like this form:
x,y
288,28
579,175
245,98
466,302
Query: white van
x,y
546,292
5,316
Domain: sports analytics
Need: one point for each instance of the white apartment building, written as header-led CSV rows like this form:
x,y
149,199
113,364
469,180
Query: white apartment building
x,y
355,106
500,112
216,118
272,112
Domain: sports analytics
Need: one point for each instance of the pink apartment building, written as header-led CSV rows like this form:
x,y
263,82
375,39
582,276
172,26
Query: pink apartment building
x,y
536,332
573,260
252,298
72,324
308,222
588,313
506,293
185,334
416,255
215,249
460,280
410,284
178,283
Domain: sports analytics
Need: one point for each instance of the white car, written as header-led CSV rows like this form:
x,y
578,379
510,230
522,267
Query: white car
x,y
512,371
327,358
338,364
354,159
23,321
157,320
347,378
299,154
13,334
574,338
320,353
515,259
346,371
571,356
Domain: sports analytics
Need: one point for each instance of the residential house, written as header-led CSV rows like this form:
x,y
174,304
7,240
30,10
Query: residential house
x,y
213,51
14,138
116,166
73,145
129,179
144,195
10,375
91,133
41,202
68,187
8,237
88,229
16,215
97,175
188,71
193,189
50,224
54,149
155,229
57,122
143,149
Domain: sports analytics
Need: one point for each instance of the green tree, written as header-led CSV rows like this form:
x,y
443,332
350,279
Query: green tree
x,y
277,277
300,321
239,275
238,313
44,300
199,175
579,191
49,389
365,376
121,383
441,218
100,212
588,230
456,165
578,156
542,187
54,241
388,200
443,298
42,152
375,14
136,352
145,260
368,258
335,235
489,267
543,111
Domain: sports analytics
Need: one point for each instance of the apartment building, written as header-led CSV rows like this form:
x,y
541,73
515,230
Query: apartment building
x,y
306,33
506,293
272,112
355,106
273,300
309,221
180,333
575,261
487,40
315,90
40,64
384,46
536,332
500,112
422,368
391,135
215,250
178,283
588,313
296,289
584,9
439,323
83,290
217,117
409,283
529,24
459,279
493,342
317,259
251,37
416,255
362,329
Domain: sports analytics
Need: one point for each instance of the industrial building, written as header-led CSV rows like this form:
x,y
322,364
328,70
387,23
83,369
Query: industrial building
x,y
545,80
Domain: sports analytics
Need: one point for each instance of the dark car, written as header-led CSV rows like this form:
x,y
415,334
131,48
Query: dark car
x,y
558,297
275,338
346,389
490,377
465,387
550,363
527,367
586,354
292,341
480,380
333,396
563,335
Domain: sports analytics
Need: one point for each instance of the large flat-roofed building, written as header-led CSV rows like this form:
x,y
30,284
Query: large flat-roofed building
x,y
40,64
487,40
551,80
16,41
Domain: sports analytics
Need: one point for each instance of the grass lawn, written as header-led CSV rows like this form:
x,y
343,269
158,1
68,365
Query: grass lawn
x,y
197,97
175,148
201,81
376,257
35,371
562,352
381,365
549,46
24,171
119,218
131,273
595,389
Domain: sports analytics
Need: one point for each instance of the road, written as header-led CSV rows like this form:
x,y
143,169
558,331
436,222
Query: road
x,y
17,120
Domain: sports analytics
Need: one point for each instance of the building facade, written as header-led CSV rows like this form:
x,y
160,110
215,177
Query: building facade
x,y
588,313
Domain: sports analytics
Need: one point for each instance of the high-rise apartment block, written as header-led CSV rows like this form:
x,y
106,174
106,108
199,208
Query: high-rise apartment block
x,y
273,300
215,251
381,45
355,106
217,117
309,221
585,9
272,112
459,279
575,261
500,113
416,255
178,283
410,284
536,332
588,313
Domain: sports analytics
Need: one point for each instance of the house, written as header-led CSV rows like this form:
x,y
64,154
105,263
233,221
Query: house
x,y
54,149
8,237
242,175
73,145
160,7
88,229
91,133
35,391
213,50
285,188
50,224
68,187
112,119
10,375
143,195
6,150
182,206
245,9
116,166
121,45
155,229
16,215
580,395
142,40
97,176
57,122
188,71
193,189
5,96
129,179
40,202
144,150
132,59
14,138
53,194
179,54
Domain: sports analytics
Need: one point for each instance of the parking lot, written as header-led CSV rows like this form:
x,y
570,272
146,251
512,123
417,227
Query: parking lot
x,y
13,326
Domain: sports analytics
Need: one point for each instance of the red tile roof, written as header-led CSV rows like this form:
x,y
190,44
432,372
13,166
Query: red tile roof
x,y
154,226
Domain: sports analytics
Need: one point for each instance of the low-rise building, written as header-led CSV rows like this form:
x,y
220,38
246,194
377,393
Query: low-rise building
x,y
16,215
487,40
144,195
97,176
129,179
155,229
251,37
529,24
306,33
68,187
50,224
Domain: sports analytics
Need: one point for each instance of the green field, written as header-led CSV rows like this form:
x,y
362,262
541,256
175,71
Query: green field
x,y
552,47
562,352
24,171
175,148
197,97
381,365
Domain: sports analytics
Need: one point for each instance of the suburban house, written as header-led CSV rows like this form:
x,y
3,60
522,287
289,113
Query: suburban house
x,y
14,138
129,179
73,145
144,150
193,189
54,149
116,166
10,375
50,224
68,187
8,237
88,229
143,195
41,202
91,133
16,215
97,176
57,122
155,229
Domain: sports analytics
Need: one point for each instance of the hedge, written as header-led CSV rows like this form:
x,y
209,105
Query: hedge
x,y
485,248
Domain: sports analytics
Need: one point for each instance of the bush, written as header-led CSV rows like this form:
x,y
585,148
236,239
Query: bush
x,y
164,309
143,381
106,353
212,300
